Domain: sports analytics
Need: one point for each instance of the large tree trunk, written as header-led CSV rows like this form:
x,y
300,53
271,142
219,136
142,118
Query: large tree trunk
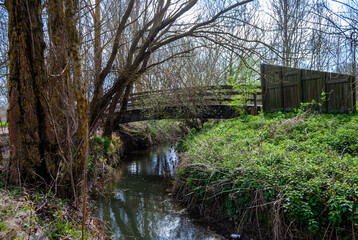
x,y
60,99
114,118
108,124
82,134
124,104
42,119
26,86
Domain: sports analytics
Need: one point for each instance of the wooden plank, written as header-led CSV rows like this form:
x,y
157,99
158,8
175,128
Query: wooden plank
x,y
311,77
338,81
291,89
326,91
263,86
339,96
272,82
300,89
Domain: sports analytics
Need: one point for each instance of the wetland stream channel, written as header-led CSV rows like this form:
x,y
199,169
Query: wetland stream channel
x,y
141,207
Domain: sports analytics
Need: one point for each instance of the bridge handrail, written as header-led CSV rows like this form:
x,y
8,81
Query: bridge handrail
x,y
218,87
203,96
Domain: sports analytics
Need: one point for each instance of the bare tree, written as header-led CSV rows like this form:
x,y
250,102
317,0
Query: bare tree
x,y
289,29
184,83
347,28
157,25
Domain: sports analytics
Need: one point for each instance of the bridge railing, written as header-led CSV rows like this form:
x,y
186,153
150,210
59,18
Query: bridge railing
x,y
209,95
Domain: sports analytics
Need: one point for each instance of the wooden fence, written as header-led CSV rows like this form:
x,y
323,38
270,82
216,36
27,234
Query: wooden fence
x,y
286,88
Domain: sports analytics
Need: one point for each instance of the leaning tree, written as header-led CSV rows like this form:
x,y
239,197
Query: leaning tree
x,y
147,27
50,115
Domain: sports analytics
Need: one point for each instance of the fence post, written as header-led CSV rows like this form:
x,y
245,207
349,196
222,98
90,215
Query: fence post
x,y
300,86
354,92
326,90
281,89
255,105
263,87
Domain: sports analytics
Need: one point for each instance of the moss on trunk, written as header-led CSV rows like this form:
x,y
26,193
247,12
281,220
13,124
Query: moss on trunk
x,y
26,82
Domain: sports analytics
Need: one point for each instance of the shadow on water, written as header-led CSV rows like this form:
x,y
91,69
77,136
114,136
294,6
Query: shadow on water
x,y
140,208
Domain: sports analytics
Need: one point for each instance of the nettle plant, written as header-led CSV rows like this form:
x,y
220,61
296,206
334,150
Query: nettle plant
x,y
313,106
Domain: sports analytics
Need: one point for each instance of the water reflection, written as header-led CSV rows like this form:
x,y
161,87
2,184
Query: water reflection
x,y
160,163
140,208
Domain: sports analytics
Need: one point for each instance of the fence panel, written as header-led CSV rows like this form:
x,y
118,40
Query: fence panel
x,y
272,97
291,88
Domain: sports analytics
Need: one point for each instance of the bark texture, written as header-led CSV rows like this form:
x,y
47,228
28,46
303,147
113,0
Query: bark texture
x,y
26,83
49,138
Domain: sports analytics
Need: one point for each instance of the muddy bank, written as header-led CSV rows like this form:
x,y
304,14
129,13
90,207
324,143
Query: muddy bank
x,y
217,221
142,135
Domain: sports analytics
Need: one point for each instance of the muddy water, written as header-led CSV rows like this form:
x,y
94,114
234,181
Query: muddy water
x,y
141,207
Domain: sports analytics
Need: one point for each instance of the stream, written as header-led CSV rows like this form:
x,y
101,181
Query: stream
x,y
141,207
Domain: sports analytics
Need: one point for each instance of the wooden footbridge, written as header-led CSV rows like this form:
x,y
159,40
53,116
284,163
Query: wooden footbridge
x,y
211,102
283,89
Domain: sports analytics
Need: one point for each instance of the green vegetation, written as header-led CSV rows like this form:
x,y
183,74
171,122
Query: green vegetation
x,y
158,130
103,150
289,174
104,156
245,79
138,135
27,215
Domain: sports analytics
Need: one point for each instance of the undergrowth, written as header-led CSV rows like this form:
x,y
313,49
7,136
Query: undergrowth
x,y
140,135
155,131
281,175
104,156
35,215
